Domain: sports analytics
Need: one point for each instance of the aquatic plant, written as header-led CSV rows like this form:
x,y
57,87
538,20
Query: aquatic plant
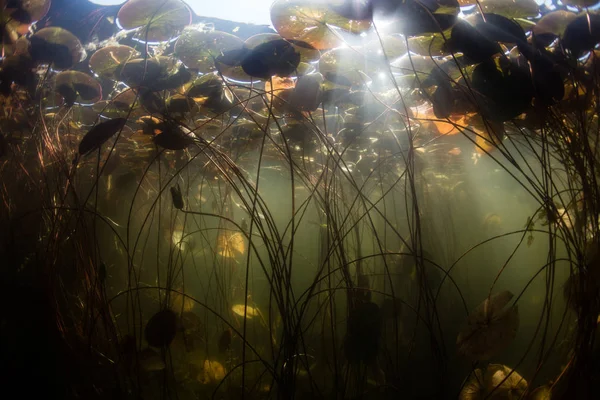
x,y
373,200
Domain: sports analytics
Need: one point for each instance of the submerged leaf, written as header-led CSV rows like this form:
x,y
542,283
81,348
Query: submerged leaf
x,y
225,340
161,328
213,372
100,134
170,136
229,246
251,312
490,328
494,382
582,34
177,197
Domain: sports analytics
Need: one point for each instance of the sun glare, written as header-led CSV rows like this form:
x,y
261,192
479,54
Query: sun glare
x,y
252,12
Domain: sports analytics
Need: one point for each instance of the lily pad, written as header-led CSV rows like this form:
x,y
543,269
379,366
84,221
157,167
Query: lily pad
x,y
56,46
344,66
275,57
306,51
197,49
160,20
313,22
554,23
511,8
415,17
140,71
76,86
106,61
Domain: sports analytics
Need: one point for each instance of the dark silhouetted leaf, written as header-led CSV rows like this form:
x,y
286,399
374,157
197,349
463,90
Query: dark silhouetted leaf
x,y
363,333
100,134
180,78
582,34
161,329
177,197
500,29
509,90
468,40
416,17
170,136
68,93
353,9
225,340
275,57
51,53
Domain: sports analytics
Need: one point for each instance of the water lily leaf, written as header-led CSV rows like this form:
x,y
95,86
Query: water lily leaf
x,y
554,23
250,312
160,20
77,86
511,8
490,328
106,61
161,328
275,57
197,49
496,381
416,17
56,46
582,34
100,134
313,22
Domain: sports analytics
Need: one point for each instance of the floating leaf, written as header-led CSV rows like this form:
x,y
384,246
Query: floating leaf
x,y
306,51
582,34
428,45
275,57
140,71
308,92
554,23
579,3
490,328
170,136
28,11
106,61
313,22
197,49
511,8
56,46
77,86
160,20
344,67
509,89
468,40
100,134
416,17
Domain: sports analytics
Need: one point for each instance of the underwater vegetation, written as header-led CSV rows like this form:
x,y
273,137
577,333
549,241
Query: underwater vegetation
x,y
369,199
